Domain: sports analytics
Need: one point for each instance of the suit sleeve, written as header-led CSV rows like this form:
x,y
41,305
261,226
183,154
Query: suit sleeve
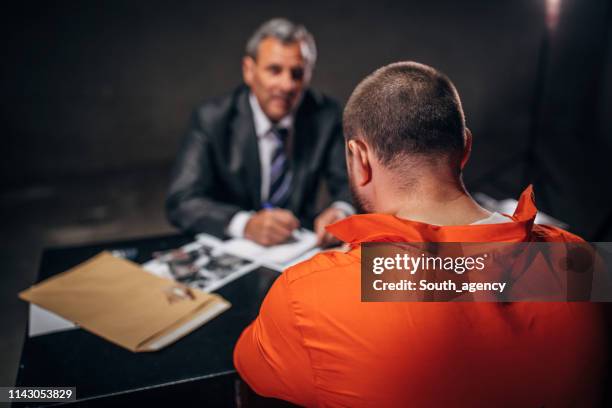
x,y
270,354
189,203
335,167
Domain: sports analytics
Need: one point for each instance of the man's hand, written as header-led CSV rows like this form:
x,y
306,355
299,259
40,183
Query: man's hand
x,y
329,216
271,226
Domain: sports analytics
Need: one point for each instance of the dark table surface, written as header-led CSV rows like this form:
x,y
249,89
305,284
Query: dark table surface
x,y
102,371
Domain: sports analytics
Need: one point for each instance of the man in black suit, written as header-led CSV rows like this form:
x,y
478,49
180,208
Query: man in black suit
x,y
252,161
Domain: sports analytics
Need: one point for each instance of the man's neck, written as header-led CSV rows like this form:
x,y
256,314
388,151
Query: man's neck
x,y
438,206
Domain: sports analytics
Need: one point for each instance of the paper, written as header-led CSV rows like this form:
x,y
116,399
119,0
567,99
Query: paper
x,y
278,257
42,321
201,264
119,301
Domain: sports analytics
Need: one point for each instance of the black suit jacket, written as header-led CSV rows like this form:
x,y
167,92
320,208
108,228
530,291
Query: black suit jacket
x,y
217,172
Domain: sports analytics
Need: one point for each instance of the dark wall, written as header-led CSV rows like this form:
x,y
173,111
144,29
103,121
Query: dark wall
x,y
574,142
103,85
100,86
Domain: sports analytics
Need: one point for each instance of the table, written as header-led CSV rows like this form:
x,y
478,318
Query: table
x,y
196,370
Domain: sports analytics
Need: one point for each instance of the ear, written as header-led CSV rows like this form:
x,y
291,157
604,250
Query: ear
x,y
359,162
467,147
248,66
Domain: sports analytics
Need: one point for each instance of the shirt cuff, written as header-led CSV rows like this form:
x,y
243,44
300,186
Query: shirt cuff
x,y
237,224
345,207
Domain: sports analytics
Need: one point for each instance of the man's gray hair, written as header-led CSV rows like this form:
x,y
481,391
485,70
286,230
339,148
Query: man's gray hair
x,y
287,32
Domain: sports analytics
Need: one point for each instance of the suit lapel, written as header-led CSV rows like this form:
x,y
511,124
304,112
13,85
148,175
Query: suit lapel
x,y
246,150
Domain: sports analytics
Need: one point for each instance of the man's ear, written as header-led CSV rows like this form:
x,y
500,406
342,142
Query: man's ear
x,y
467,147
248,66
360,163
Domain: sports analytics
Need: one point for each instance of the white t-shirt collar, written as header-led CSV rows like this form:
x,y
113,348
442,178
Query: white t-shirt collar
x,y
494,218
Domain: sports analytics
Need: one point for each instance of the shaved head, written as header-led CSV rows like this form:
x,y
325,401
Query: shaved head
x,y
407,110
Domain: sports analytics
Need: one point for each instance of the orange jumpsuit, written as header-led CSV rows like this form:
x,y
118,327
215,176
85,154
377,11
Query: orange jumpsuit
x,y
315,343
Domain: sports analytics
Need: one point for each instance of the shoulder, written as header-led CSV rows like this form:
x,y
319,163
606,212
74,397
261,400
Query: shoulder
x,y
321,265
548,233
220,109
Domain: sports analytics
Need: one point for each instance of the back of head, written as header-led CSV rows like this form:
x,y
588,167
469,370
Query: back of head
x,y
405,110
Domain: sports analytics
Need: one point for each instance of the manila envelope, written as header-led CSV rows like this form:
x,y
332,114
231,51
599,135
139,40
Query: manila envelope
x,y
117,300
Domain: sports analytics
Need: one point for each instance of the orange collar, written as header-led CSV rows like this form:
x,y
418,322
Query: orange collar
x,y
388,228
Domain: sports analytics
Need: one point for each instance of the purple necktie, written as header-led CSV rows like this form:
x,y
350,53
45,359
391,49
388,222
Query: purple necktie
x,y
280,174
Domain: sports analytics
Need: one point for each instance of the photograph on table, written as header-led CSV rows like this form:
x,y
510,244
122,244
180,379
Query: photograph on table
x,y
200,265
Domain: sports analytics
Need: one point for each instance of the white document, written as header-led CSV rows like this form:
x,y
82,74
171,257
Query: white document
x,y
277,257
43,321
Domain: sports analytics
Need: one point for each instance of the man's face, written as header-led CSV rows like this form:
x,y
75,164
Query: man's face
x,y
276,77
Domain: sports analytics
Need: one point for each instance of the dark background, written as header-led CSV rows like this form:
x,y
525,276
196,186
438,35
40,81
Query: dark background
x,y
96,95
